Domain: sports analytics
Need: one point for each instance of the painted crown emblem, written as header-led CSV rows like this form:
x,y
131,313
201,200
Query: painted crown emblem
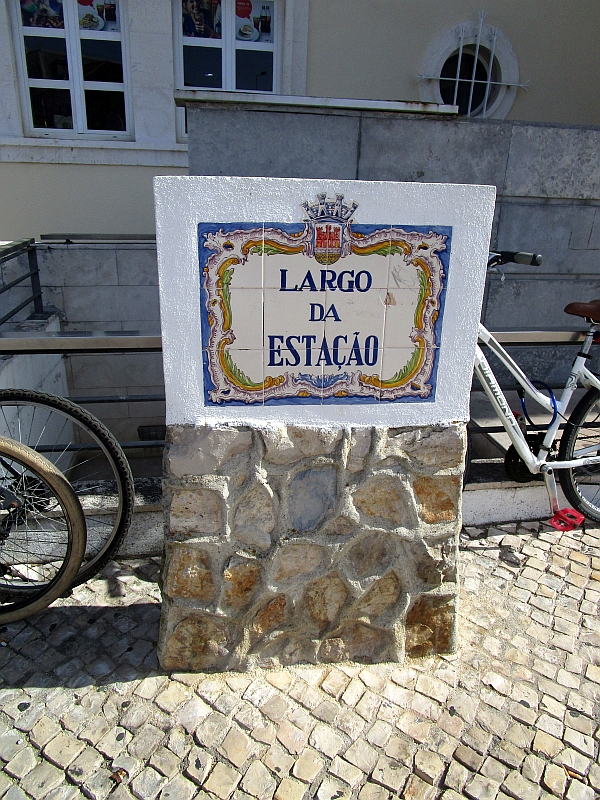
x,y
335,210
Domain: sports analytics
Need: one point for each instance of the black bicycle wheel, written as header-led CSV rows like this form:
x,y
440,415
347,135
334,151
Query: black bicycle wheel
x,y
581,439
89,456
42,532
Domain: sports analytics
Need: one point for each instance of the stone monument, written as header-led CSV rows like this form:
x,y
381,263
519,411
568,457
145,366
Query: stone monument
x,y
318,341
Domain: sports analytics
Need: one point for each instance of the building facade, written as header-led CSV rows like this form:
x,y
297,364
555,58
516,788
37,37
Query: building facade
x,y
87,86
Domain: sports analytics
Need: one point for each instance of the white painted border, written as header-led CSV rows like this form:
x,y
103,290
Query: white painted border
x,y
182,202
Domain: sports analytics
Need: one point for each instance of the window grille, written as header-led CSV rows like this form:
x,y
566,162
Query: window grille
x,y
471,75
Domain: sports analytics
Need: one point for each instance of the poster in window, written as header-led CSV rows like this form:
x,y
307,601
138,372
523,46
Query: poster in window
x,y
202,18
42,13
253,21
98,15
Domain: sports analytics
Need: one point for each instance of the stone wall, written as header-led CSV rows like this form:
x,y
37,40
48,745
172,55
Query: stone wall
x,y
293,544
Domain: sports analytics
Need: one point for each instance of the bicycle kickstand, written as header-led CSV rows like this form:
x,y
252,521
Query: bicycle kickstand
x,y
562,519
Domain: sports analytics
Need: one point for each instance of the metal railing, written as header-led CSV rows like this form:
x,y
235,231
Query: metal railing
x,y
9,251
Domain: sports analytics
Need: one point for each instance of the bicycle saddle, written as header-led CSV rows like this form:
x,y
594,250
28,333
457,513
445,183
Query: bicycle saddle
x,y
587,310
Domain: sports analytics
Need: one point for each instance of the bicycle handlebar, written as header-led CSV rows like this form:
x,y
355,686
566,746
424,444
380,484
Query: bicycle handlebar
x,y
514,257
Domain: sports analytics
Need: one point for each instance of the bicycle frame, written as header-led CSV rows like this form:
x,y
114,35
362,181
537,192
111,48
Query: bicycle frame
x,y
579,374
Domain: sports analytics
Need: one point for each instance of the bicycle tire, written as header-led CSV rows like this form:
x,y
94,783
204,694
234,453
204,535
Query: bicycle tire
x,y
60,428
582,430
43,540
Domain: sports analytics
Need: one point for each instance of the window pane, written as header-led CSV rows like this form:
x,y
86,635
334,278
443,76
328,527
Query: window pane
x,y
253,21
254,70
98,15
42,13
102,61
201,18
51,108
46,58
202,67
105,111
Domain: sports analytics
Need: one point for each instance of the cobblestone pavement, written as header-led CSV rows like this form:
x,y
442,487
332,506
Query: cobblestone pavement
x,y
84,707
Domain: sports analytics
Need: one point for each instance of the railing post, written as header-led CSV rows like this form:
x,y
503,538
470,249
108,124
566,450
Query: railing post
x,y
38,305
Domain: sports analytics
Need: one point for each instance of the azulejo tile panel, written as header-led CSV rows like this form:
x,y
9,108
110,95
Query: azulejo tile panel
x,y
325,299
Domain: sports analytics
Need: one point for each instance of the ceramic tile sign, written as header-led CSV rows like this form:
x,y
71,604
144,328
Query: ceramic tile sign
x,y
320,300
321,311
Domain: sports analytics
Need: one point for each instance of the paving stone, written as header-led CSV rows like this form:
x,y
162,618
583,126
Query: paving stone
x,y
533,768
346,772
335,683
390,773
289,789
546,745
41,780
326,741
494,769
468,757
99,785
579,722
333,789
362,755
199,764
308,765
171,698
236,747
93,731
457,776
113,742
428,766
259,782
278,760
579,741
433,688
147,784
554,780
519,787
372,791
416,789
165,761
482,788
579,791
178,788
22,763
573,761
63,749
212,729
128,765
400,750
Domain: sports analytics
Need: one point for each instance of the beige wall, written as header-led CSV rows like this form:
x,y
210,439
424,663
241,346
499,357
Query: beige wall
x,y
76,198
374,49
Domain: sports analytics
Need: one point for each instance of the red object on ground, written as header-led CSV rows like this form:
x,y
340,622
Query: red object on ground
x,y
566,519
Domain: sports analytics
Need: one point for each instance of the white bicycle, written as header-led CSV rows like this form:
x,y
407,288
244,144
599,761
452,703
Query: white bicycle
x,y
577,456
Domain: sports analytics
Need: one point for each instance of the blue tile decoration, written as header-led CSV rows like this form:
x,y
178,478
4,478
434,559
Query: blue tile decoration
x,y
337,296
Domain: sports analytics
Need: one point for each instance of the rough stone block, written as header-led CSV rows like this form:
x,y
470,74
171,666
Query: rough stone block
x,y
196,511
201,451
255,518
188,574
438,497
194,641
431,625
385,497
241,578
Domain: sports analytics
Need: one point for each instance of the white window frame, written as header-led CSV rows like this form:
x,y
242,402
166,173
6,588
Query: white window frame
x,y
228,44
72,34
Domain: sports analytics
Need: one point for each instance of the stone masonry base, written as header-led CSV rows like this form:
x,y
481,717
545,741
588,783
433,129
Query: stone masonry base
x,y
286,545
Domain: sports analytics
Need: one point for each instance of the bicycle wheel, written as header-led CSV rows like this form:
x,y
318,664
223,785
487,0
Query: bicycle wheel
x,y
89,456
581,438
42,532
